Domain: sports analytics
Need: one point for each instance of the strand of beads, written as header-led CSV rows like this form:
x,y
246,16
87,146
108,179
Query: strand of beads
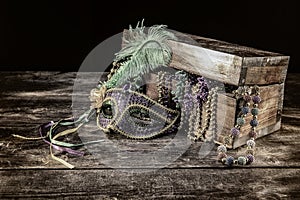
x,y
208,114
235,131
209,128
167,87
196,93
181,78
194,115
160,78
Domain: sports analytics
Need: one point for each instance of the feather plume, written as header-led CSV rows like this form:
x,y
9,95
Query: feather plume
x,y
146,51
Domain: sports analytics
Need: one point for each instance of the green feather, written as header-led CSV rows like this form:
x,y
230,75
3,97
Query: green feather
x,y
147,51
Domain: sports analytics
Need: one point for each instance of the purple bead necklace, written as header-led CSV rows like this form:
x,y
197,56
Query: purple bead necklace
x,y
246,94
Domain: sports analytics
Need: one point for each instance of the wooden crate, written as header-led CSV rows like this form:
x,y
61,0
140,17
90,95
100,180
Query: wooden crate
x,y
235,65
228,63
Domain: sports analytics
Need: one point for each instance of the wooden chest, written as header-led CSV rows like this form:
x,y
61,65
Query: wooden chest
x,y
235,65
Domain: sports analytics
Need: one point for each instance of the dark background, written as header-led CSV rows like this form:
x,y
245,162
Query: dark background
x,y
58,35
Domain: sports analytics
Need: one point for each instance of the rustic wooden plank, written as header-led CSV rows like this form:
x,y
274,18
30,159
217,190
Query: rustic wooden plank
x,y
266,60
269,116
230,48
271,95
162,184
193,58
251,56
258,66
208,63
279,146
226,111
35,154
267,75
225,62
264,70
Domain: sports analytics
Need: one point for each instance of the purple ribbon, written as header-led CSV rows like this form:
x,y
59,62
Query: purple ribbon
x,y
59,148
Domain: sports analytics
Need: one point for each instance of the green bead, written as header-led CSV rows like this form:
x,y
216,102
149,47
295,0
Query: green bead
x,y
242,160
240,121
254,111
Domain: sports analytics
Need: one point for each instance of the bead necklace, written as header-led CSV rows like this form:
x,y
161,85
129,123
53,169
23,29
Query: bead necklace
x,y
208,116
245,94
192,97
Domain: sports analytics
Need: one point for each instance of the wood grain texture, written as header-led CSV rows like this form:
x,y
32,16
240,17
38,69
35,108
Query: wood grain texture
x,y
28,99
230,48
208,63
269,116
225,62
161,184
265,75
228,63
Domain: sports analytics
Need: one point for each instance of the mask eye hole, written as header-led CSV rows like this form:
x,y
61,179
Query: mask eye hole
x,y
107,109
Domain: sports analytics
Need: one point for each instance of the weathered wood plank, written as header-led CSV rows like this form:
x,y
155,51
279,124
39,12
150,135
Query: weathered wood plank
x,y
208,63
277,149
230,48
269,116
266,60
162,184
225,62
265,75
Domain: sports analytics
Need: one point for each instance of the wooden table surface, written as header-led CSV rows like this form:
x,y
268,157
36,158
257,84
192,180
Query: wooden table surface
x,y
28,99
